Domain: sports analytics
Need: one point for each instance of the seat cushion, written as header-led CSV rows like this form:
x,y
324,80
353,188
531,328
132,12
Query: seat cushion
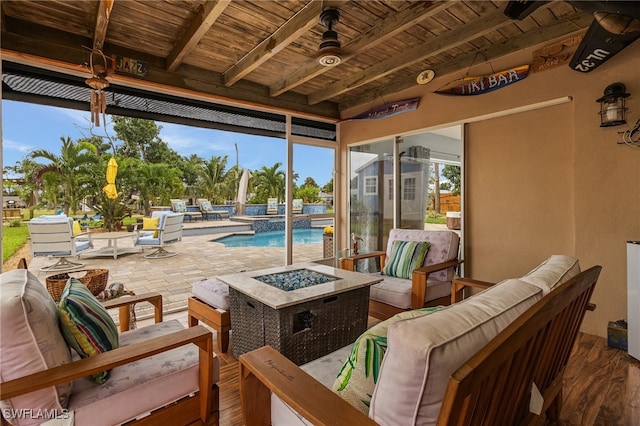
x,y
405,257
423,352
358,375
212,292
397,291
137,388
31,342
86,325
148,240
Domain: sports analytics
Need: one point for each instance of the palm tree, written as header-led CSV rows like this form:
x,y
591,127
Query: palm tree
x,y
212,181
158,182
270,182
70,166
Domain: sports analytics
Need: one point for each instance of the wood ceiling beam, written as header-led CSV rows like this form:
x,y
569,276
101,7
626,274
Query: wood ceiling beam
x,y
567,27
205,17
299,24
47,48
431,47
390,27
102,22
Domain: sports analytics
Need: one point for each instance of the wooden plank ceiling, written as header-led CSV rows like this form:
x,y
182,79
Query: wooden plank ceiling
x,y
265,53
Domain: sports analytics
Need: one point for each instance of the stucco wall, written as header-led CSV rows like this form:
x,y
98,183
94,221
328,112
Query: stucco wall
x,y
539,182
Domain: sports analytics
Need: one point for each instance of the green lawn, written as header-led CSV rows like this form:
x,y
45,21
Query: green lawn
x,y
12,239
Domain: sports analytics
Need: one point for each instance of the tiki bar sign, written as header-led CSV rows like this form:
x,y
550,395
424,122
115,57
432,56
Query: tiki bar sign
x,y
484,83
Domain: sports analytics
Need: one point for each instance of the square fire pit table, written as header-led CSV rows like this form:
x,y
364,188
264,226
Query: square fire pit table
x,y
305,310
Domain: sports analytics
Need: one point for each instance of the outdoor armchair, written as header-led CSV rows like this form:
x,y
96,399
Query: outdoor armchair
x,y
402,289
168,230
53,236
159,374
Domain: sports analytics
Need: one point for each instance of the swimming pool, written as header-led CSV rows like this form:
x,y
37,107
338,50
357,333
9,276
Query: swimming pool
x,y
272,238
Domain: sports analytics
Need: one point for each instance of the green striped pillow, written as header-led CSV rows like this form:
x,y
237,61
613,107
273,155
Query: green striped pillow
x,y
86,325
405,257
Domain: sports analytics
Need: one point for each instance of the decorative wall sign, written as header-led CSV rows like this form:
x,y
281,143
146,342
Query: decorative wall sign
x,y
132,66
387,110
555,54
478,85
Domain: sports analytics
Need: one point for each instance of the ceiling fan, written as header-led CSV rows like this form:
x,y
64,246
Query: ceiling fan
x,y
616,25
329,48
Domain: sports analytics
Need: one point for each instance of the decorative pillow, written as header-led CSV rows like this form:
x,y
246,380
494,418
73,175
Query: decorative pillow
x,y
405,257
359,374
151,223
206,206
86,324
76,228
31,342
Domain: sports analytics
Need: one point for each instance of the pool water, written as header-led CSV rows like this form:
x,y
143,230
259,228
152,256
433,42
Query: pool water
x,y
272,238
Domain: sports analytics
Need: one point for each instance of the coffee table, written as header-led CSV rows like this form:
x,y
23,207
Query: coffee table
x,y
112,248
303,323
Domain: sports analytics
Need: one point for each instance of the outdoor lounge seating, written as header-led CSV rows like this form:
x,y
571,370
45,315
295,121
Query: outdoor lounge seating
x,y
208,211
296,206
428,284
272,206
168,230
53,236
179,206
159,374
497,357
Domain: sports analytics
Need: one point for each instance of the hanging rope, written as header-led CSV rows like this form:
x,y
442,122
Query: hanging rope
x,y
98,82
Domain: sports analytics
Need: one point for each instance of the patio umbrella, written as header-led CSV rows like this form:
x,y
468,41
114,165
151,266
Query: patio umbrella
x,y
112,171
242,190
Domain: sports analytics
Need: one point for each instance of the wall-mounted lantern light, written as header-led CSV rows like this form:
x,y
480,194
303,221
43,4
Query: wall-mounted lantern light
x,y
612,105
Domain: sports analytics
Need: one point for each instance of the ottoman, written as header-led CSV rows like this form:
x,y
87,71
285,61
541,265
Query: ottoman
x,y
210,304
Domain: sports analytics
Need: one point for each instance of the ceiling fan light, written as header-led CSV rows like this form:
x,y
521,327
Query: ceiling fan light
x,y
329,60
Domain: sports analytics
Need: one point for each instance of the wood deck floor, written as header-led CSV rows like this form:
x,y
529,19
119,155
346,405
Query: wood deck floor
x,y
602,386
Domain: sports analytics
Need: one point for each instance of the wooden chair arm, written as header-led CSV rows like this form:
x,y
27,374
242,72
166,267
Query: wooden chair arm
x,y
197,335
265,370
125,302
419,279
349,263
459,283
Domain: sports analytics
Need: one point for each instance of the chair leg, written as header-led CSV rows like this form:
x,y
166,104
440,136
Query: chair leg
x,y
62,265
160,253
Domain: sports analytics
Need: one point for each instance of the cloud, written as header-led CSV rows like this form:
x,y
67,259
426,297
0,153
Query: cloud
x,y
17,146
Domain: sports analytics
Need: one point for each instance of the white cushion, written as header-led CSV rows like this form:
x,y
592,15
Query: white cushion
x,y
554,271
31,342
139,387
423,352
397,291
212,292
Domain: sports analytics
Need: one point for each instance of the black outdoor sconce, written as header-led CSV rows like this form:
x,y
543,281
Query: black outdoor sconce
x,y
612,105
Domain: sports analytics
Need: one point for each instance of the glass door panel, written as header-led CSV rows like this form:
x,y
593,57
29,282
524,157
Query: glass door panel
x,y
312,206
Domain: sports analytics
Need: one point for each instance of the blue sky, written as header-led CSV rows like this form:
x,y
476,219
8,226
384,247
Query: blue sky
x,y
29,126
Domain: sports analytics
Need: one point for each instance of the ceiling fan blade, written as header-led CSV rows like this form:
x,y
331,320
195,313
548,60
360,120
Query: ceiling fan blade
x,y
598,46
520,9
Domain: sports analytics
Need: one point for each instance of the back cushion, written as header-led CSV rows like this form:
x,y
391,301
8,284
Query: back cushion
x,y
554,271
423,352
31,342
444,246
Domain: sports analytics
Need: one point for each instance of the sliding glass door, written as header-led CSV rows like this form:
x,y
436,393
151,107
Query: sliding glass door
x,y
409,182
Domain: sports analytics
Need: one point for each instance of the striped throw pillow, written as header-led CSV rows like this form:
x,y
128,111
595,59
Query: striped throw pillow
x,y
405,257
86,325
